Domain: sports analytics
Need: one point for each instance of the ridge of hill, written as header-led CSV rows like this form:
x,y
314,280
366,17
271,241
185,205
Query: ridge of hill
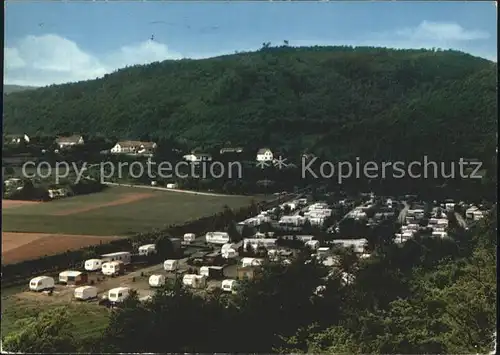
x,y
8,89
338,101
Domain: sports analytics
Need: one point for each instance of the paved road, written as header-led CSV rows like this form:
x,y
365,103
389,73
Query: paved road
x,y
461,221
403,213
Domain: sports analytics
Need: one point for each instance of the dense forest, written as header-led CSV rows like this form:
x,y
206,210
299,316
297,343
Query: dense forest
x,y
8,89
334,101
427,296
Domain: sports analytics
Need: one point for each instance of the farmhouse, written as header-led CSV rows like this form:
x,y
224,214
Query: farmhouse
x,y
264,154
133,147
16,139
65,142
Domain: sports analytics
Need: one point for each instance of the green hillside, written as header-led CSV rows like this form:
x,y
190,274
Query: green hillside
x,y
8,89
338,101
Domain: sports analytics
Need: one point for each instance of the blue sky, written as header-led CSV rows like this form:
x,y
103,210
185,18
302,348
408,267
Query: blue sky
x,y
56,42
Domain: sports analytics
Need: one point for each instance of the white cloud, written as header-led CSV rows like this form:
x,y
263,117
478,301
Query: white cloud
x,y
51,59
441,32
426,35
12,59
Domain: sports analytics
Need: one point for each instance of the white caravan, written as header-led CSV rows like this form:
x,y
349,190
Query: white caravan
x,y
42,283
93,264
157,280
85,293
171,265
229,285
118,294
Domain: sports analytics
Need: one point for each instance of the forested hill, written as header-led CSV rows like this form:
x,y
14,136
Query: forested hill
x,y
339,101
8,89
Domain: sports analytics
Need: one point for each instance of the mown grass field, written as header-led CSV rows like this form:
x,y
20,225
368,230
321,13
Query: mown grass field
x,y
158,210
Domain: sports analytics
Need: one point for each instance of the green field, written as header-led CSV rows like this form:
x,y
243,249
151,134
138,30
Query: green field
x,y
89,320
162,209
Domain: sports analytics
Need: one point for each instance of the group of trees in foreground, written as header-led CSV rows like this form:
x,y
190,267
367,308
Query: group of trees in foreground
x,y
426,296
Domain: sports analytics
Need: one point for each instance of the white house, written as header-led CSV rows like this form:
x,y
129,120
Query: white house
x,y
17,138
264,154
198,157
65,142
133,147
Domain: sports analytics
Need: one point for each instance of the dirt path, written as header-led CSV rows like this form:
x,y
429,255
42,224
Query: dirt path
x,y
128,198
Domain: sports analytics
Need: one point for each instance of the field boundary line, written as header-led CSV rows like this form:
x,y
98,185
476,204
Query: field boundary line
x,y
172,190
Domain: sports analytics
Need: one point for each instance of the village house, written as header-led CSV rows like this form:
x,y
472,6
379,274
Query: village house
x,y
264,154
65,142
16,139
198,157
133,147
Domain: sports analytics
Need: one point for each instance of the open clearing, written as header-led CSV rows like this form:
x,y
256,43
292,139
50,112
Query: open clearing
x,y
18,247
99,214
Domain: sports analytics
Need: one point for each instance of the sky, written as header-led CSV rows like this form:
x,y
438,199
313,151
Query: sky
x,y
54,42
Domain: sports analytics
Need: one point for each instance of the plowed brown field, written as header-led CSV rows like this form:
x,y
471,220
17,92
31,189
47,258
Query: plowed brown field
x,y
18,247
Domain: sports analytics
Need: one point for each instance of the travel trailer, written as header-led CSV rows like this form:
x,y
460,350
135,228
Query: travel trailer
x,y
113,268
118,294
171,265
42,283
157,280
85,293
229,285
312,244
212,272
194,281
123,256
93,264
189,238
147,249
217,238
246,262
73,277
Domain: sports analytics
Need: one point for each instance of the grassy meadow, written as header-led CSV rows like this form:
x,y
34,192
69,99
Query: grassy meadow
x,y
159,210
